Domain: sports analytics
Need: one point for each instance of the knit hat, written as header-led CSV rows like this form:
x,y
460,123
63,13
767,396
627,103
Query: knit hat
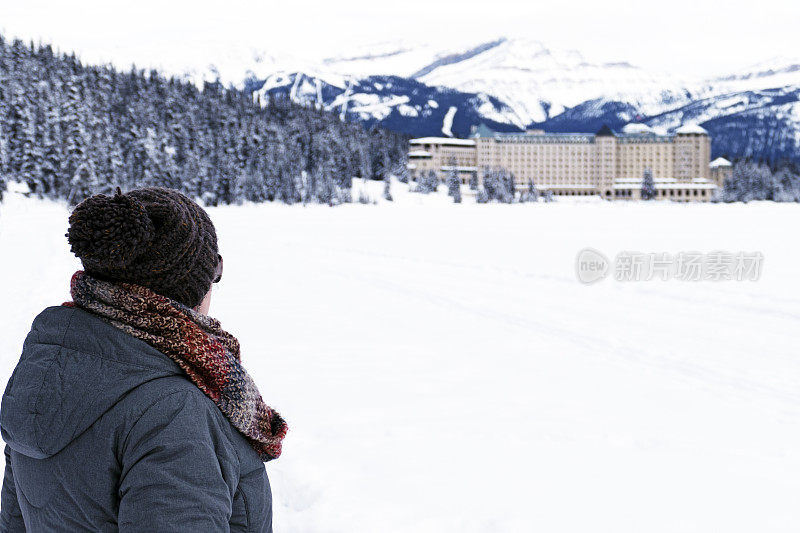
x,y
153,237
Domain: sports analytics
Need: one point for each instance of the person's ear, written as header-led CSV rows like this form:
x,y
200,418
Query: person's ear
x,y
218,272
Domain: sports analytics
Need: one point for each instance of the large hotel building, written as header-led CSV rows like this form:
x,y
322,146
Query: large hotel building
x,y
607,164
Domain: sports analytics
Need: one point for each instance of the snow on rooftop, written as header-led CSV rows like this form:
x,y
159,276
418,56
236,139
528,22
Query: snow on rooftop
x,y
623,181
691,129
445,168
719,162
667,185
419,153
443,140
636,128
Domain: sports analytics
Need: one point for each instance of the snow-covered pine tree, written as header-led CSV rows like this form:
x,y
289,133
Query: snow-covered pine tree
x,y
3,154
4,147
748,181
427,182
511,186
2,167
730,186
326,188
489,184
77,165
250,185
168,165
787,182
453,181
93,127
648,185
533,194
400,170
763,186
433,181
51,172
83,184
191,175
457,193
30,171
473,182
420,183
228,174
498,185
503,191
23,155
387,187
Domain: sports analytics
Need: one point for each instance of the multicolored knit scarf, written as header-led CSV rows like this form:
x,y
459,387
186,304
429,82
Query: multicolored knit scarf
x,y
197,343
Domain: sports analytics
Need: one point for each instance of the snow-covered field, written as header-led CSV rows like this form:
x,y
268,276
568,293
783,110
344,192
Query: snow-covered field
x,y
442,370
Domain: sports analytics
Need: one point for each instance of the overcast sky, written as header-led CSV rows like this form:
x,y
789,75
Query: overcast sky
x,y
688,37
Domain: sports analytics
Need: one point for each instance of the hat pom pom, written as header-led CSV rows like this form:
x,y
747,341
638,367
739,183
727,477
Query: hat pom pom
x,y
109,232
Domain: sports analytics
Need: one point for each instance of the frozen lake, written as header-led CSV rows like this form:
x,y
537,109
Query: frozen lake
x,y
442,369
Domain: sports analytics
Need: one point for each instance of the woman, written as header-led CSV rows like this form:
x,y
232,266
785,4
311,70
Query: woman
x,y
129,408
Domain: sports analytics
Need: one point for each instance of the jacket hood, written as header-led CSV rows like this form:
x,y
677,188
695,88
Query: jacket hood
x,y
74,367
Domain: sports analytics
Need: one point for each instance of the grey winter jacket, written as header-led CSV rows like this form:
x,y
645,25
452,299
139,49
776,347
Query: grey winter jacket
x,y
105,433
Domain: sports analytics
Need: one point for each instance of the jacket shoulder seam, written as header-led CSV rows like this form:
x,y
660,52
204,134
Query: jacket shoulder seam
x,y
146,409
227,428
66,328
190,391
36,411
93,354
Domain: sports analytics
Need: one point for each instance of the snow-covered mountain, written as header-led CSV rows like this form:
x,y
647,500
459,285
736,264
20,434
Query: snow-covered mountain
x,y
512,84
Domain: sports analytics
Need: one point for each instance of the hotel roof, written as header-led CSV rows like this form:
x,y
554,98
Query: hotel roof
x,y
443,140
631,133
637,128
691,129
635,134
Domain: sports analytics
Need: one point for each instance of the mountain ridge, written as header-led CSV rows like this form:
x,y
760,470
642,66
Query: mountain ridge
x,y
514,84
